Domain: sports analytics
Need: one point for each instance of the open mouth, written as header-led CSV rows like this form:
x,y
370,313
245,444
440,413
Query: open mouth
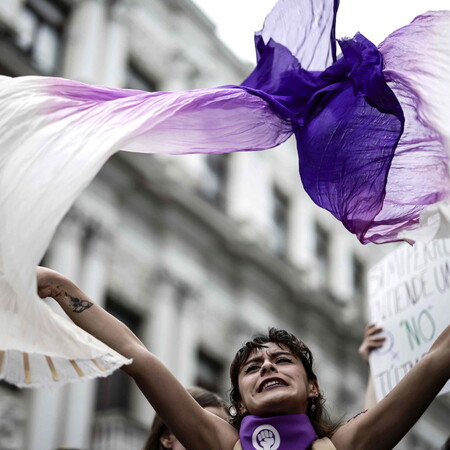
x,y
271,384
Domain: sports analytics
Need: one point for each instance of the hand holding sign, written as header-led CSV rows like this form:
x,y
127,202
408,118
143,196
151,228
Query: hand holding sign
x,y
372,340
409,296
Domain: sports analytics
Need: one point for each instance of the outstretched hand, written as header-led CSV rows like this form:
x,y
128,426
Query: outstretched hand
x,y
372,340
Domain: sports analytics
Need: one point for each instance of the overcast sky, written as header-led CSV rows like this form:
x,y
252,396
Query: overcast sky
x,y
236,20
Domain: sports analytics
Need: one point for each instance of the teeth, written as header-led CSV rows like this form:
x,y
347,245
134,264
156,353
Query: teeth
x,y
272,383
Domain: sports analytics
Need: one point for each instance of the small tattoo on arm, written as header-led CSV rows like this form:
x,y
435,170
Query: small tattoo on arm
x,y
78,305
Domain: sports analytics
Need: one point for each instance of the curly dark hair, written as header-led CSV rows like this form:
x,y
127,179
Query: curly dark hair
x,y
319,417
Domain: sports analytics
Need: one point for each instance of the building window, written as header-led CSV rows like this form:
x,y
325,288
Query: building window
x,y
40,33
113,392
323,254
358,276
136,79
210,371
214,182
280,220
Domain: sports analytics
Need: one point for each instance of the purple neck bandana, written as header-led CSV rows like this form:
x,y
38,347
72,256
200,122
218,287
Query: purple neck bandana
x,y
288,432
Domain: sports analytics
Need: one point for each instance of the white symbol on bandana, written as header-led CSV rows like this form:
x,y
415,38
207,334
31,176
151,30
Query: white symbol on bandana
x,y
266,437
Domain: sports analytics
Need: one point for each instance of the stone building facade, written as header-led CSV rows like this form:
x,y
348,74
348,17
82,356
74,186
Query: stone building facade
x,y
194,253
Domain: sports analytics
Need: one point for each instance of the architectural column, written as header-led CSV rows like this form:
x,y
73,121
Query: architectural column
x,y
188,341
13,418
165,321
301,236
46,405
9,10
182,71
116,43
248,194
341,282
81,396
160,332
86,32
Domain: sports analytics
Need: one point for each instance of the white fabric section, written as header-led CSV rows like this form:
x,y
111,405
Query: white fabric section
x,y
55,136
304,27
417,58
13,370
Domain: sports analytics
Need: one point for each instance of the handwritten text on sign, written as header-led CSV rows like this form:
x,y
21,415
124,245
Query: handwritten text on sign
x,y
409,296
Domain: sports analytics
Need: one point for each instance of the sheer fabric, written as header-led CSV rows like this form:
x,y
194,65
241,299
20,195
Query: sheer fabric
x,y
373,143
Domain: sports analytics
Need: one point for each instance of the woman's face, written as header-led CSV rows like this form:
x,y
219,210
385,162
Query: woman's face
x,y
273,381
170,441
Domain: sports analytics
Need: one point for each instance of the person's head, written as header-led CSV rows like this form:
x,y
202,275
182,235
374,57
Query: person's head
x,y
161,438
273,375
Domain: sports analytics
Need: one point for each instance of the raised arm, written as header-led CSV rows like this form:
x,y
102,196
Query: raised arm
x,y
194,427
384,425
372,340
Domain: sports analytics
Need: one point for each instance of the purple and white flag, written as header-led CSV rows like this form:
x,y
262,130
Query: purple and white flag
x,y
373,136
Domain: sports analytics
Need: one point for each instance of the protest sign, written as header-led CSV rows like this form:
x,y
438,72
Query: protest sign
x,y
409,296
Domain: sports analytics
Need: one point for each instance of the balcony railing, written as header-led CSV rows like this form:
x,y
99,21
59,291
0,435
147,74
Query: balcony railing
x,y
113,430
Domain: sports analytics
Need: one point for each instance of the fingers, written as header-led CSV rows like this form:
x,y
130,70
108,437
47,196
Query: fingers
x,y
375,342
372,329
372,340
372,337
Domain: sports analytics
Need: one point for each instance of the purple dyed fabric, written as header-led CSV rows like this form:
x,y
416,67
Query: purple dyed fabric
x,y
417,63
305,27
293,431
56,135
346,120
372,130
347,144
382,179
